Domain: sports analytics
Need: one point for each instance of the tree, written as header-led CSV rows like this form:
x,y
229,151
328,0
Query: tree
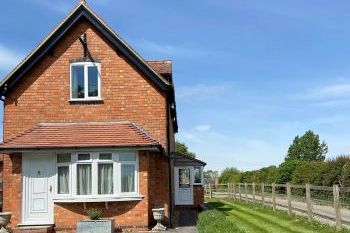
x,y
307,148
310,173
338,171
229,175
183,149
210,176
286,170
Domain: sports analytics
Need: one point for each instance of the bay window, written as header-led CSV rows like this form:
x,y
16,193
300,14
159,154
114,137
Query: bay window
x,y
95,174
85,81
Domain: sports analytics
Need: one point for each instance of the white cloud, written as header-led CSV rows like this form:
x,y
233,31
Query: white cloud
x,y
203,128
8,58
202,90
327,92
331,91
175,50
331,95
330,120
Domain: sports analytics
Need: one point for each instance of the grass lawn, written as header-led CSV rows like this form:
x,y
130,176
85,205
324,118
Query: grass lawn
x,y
252,218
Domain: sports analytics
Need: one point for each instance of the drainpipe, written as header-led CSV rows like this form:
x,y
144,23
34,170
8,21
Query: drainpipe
x,y
169,162
2,98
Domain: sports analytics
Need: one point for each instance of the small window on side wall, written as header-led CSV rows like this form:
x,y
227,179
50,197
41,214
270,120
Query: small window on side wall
x,y
85,81
198,175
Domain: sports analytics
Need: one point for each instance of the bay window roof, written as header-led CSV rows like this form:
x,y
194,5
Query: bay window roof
x,y
81,135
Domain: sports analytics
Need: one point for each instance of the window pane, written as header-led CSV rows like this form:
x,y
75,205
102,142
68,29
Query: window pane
x,y
84,179
63,180
83,156
63,158
93,80
105,179
184,178
78,82
105,156
127,157
128,177
197,175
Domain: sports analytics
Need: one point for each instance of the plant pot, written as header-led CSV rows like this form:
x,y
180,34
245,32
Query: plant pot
x,y
95,226
4,220
158,215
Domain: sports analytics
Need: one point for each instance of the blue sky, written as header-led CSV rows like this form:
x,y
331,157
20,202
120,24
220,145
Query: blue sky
x,y
249,75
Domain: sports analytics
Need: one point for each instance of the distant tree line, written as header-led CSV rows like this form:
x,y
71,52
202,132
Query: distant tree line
x,y
304,163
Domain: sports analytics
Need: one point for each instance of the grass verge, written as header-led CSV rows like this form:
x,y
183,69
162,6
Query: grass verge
x,y
252,218
212,221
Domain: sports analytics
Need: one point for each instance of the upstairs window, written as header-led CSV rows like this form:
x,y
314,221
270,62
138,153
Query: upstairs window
x,y
85,81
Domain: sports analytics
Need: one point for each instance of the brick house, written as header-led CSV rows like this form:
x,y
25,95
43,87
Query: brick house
x,y
88,123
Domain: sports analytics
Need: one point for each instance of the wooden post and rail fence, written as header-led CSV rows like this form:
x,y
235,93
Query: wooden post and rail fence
x,y
315,202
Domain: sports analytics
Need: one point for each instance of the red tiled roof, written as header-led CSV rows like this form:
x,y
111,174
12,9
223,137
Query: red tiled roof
x,y
161,67
81,135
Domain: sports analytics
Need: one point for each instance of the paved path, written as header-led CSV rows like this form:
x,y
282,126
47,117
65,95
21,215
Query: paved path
x,y
186,221
322,213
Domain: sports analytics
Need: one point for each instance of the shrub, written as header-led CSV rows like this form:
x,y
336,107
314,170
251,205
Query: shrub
x,y
94,214
214,221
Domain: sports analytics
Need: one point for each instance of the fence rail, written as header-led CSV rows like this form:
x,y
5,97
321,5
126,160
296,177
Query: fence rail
x,y
316,202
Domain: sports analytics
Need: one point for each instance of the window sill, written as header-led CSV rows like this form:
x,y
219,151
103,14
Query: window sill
x,y
86,100
97,199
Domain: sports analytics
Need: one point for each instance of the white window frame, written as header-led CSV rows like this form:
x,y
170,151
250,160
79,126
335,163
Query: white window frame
x,y
136,180
94,161
202,175
86,65
63,164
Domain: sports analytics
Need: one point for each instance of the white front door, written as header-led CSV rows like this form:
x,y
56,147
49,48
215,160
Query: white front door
x,y
183,186
37,205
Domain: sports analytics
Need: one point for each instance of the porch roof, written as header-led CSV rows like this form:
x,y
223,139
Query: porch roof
x,y
184,160
81,135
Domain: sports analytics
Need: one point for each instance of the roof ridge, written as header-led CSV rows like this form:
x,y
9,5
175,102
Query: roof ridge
x,y
85,123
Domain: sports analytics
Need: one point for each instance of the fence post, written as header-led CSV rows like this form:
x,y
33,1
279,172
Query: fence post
x,y
246,191
337,207
273,197
210,192
228,189
262,193
308,201
289,198
253,186
240,192
234,191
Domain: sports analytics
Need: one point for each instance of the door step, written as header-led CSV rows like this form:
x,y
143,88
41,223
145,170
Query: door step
x,y
34,229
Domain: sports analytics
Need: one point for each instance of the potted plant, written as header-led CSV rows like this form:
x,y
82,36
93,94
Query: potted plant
x,y
4,220
95,223
158,215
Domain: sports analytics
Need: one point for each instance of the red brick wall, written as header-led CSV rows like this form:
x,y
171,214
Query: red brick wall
x,y
198,195
42,96
158,184
12,186
43,93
